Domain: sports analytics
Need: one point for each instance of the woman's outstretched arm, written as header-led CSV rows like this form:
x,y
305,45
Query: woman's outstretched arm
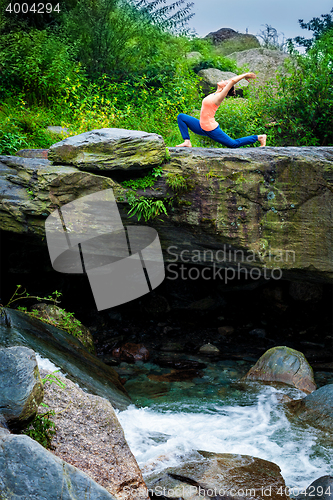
x,y
220,95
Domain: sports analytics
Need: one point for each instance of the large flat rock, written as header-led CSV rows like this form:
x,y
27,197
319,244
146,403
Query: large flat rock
x,y
110,149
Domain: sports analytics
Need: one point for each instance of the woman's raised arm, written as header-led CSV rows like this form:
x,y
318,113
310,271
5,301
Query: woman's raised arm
x,y
221,94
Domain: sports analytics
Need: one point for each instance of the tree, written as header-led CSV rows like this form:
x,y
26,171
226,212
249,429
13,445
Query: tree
x,y
270,38
173,17
318,26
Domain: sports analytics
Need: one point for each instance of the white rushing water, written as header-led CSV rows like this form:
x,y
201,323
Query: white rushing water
x,y
159,437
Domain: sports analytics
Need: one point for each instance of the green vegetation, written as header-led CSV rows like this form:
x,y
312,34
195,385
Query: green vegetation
x,y
54,315
42,428
123,64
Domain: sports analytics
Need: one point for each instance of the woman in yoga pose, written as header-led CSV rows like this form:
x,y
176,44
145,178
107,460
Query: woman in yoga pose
x,y
208,126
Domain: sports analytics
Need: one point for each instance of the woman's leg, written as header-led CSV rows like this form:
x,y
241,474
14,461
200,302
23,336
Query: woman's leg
x,y
186,122
219,136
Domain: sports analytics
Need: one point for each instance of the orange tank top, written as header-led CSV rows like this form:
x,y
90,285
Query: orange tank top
x,y
208,110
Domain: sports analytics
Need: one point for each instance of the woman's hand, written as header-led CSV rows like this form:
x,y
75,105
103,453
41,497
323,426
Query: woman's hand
x,y
249,76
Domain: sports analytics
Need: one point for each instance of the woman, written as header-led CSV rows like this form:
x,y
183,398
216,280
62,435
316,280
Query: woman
x,y
208,126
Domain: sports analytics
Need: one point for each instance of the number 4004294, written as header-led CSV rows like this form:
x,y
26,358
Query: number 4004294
x,y
38,8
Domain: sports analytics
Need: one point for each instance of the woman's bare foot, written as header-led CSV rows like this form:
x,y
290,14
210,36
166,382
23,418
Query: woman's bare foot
x,y
185,144
262,139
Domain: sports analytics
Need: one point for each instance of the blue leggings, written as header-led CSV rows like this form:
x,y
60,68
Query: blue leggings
x,y
186,122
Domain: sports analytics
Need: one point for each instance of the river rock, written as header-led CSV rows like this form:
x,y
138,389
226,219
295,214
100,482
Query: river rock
x,y
90,437
110,149
263,62
131,352
320,489
67,352
209,349
21,388
30,472
283,364
217,475
315,409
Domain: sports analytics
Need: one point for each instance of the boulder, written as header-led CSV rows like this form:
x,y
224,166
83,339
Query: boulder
x,y
209,349
33,153
58,130
316,409
263,62
131,352
320,489
306,292
283,364
211,76
65,351
245,209
220,475
21,388
109,149
90,437
31,188
225,34
194,55
29,471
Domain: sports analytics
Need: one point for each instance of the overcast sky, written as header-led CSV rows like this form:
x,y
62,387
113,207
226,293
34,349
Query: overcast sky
x,y
211,15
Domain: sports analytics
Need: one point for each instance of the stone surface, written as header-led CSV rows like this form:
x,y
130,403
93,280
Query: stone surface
x,y
194,55
209,349
315,409
68,353
110,149
320,489
217,475
263,62
33,153
30,189
224,34
306,292
90,437
211,76
21,388
30,472
131,352
263,208
283,364
58,130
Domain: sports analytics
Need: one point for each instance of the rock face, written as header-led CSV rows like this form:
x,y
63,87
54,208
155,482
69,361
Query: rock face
x,y
315,409
283,364
110,149
219,475
320,489
21,388
66,351
90,437
263,208
29,471
30,189
263,62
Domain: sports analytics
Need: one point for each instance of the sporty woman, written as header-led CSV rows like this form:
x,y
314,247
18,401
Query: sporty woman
x,y
208,126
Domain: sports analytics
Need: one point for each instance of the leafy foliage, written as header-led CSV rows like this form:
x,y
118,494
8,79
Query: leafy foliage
x,y
148,208
318,26
171,17
270,38
42,429
144,182
176,181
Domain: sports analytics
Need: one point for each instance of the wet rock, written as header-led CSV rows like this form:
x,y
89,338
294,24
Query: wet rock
x,y
315,409
131,352
59,316
110,149
283,364
90,437
66,351
209,349
218,475
30,471
320,489
172,346
21,388
225,330
306,291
